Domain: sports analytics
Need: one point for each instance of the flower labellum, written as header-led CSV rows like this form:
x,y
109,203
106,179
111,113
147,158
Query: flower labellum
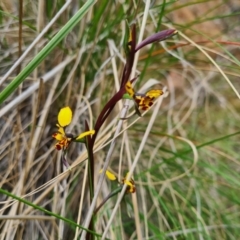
x,y
131,188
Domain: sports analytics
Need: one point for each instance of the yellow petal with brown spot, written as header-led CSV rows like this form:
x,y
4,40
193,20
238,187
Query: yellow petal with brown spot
x,y
129,88
130,184
58,136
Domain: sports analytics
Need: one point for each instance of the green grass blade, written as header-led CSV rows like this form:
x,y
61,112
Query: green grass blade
x,y
45,211
46,50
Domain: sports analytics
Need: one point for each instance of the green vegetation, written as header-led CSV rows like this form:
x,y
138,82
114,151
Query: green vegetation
x,y
183,152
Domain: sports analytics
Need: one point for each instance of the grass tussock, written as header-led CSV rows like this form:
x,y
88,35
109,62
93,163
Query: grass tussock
x,y
183,153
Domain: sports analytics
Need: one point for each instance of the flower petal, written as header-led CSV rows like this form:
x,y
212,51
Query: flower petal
x,y
146,103
58,136
109,175
61,130
63,144
129,88
64,116
59,146
82,135
154,93
130,184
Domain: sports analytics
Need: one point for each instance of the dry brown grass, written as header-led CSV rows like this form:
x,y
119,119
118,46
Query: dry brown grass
x,y
179,194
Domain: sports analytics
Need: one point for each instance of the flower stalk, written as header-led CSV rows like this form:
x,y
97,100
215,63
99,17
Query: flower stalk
x,y
142,101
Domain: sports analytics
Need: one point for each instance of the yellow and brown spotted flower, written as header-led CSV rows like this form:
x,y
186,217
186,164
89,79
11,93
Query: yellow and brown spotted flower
x,y
130,187
130,183
63,138
143,101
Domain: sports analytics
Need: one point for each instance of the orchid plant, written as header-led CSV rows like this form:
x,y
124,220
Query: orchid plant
x,y
142,101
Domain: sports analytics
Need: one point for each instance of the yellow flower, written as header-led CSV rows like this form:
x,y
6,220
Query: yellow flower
x,y
130,184
63,138
143,101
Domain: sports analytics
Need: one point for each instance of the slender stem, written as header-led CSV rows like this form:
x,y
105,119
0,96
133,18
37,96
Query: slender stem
x,y
102,176
147,5
90,171
89,146
116,191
